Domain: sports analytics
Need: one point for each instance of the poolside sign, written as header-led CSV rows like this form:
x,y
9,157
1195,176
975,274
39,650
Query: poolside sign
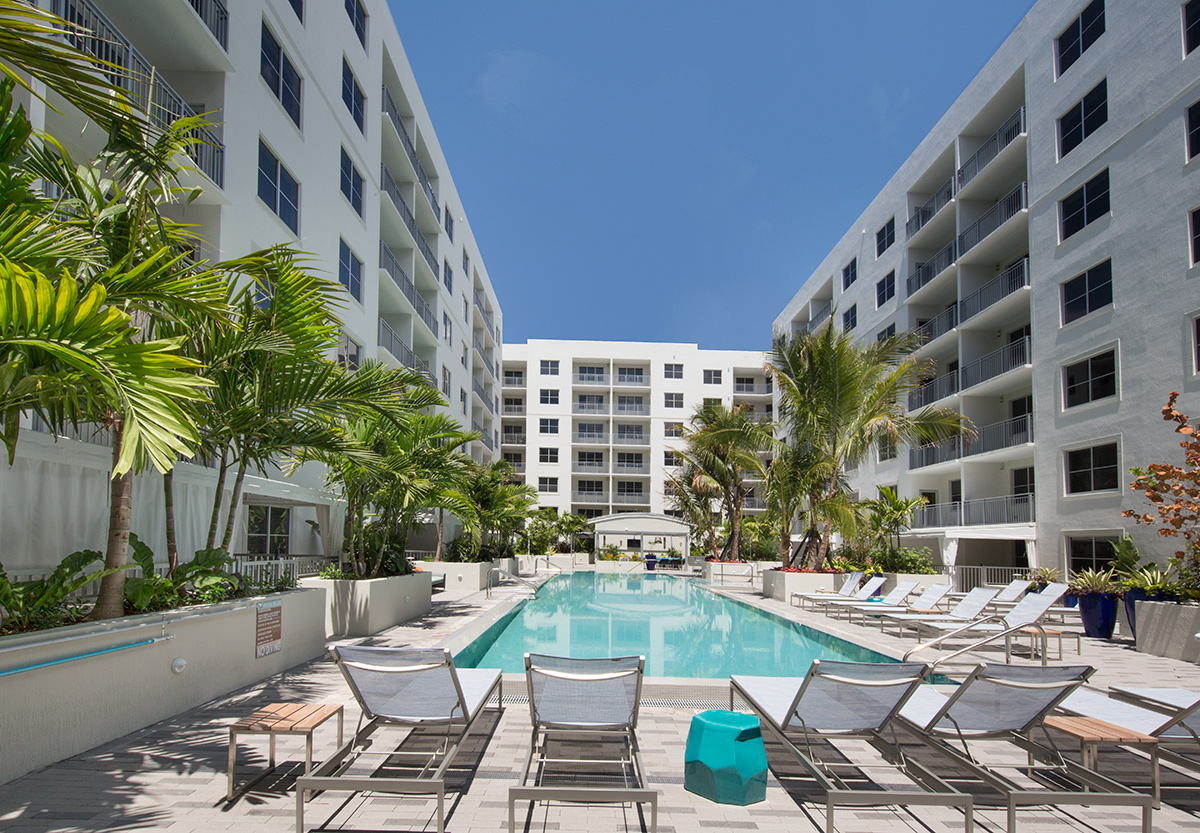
x,y
268,636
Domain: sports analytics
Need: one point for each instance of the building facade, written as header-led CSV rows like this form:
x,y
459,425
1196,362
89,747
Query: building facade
x,y
594,426
1043,241
320,139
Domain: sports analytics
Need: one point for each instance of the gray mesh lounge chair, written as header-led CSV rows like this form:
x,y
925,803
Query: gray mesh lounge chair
x,y
408,688
926,603
852,700
1008,702
589,706
894,598
1009,593
967,610
845,591
860,595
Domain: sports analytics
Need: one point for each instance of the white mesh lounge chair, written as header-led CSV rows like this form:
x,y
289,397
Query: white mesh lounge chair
x,y
987,629
850,700
845,591
926,603
1008,702
968,609
587,707
894,598
1009,593
860,595
409,688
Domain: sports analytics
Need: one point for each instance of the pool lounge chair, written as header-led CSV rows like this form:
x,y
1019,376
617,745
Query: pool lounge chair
x,y
850,700
1007,703
968,609
926,603
1010,592
410,688
576,704
845,591
898,594
860,595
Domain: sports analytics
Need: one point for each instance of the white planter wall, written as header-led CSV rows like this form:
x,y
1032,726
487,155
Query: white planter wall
x,y
460,575
364,608
1167,629
779,585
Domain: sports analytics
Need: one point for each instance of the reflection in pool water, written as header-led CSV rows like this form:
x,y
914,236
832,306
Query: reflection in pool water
x,y
682,629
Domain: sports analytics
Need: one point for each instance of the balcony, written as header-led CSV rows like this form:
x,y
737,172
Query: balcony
x,y
589,408
514,380
215,17
1009,357
509,438
410,149
479,389
631,468
518,468
140,80
590,439
754,388
389,264
934,453
487,442
395,345
637,380
589,497
998,141
937,326
931,268
1007,207
1007,434
484,354
636,498
487,316
590,379
990,511
934,390
514,410
921,216
998,288
631,439
589,468
820,318
761,419
752,502
632,408
393,190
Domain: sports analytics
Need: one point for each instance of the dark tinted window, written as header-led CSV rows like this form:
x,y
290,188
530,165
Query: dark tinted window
x,y
1087,292
1082,33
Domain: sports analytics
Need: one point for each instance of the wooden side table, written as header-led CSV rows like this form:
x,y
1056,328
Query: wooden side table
x,y
281,719
1091,732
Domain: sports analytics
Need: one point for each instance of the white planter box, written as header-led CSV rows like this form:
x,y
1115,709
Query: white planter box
x,y
730,573
890,580
366,607
506,564
781,586
57,711
626,567
1167,629
460,575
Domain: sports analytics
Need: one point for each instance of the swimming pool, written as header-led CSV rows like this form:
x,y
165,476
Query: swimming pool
x,y
681,628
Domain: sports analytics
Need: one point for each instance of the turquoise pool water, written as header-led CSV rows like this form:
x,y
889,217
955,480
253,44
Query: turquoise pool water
x,y
682,629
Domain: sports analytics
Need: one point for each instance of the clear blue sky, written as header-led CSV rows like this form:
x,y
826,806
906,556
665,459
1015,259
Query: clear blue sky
x,y
674,170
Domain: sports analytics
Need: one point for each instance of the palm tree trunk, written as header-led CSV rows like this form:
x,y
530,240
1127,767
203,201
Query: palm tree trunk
x,y
169,514
348,529
215,520
735,525
234,500
110,602
437,551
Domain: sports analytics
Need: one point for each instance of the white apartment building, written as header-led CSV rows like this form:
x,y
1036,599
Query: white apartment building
x,y
320,140
1044,242
594,425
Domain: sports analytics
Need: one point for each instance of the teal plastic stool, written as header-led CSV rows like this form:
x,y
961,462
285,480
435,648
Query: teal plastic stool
x,y
725,759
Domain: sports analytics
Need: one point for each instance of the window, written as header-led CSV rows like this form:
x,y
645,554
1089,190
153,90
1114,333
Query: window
x,y
672,429
352,95
448,220
447,331
850,318
514,459
549,367
350,270
1085,205
886,332
1196,237
1191,26
887,450
1083,119
591,430
1089,380
590,374
547,484
711,402
885,237
466,263
630,404
349,352
591,487
514,378
268,530
1196,343
629,487
712,377
591,459
672,371
670,458
629,433
1086,293
1088,552
280,75
462,399
278,188
1193,130
547,426
464,356
549,396
447,277
1023,481
358,17
673,400
298,8
588,512
547,455
849,273
1092,469
630,376
1082,32
445,380
466,309
885,290
352,184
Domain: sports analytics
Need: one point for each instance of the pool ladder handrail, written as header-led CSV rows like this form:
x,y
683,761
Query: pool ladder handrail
x,y
549,564
504,572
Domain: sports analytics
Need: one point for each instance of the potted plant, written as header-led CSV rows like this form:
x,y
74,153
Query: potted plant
x,y
1097,593
1148,583
1040,577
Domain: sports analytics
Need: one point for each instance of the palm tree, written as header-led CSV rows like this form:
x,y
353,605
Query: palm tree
x,y
838,399
889,515
502,503
692,494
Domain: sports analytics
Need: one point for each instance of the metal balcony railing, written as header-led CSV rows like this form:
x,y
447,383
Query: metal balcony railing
x,y
933,390
487,316
410,149
753,388
509,438
631,497
215,17
934,453
940,199
512,380
636,380
1007,207
943,323
1006,434
1000,287
595,439
589,468
632,408
393,190
487,441
589,497
931,268
761,419
631,439
991,148
478,387
88,432
518,468
516,410
590,378
1005,509
630,468
390,341
1009,357
589,408
389,264
821,317
752,502
145,86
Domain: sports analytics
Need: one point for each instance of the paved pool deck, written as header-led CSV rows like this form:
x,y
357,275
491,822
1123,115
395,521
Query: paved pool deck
x,y
171,775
